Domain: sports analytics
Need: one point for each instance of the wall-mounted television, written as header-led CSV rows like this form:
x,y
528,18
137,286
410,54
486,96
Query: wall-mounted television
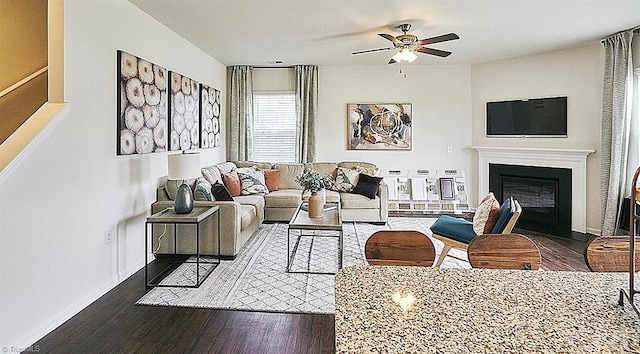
x,y
536,117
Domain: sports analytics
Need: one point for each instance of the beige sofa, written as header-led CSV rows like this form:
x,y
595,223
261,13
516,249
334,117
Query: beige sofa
x,y
241,217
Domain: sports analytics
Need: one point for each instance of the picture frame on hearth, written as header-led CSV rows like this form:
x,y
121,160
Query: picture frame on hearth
x,y
379,126
447,189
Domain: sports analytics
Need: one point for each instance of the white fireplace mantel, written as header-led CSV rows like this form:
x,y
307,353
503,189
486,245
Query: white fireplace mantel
x,y
574,159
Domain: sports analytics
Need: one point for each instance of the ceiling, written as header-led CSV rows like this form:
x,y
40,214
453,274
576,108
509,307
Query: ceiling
x,y
326,32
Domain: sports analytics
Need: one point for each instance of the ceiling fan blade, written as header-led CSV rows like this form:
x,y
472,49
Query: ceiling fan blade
x,y
389,37
372,50
438,39
436,52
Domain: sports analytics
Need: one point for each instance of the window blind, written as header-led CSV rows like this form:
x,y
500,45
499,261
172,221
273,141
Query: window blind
x,y
274,126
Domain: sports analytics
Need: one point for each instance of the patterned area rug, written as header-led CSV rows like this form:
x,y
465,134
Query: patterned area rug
x,y
256,280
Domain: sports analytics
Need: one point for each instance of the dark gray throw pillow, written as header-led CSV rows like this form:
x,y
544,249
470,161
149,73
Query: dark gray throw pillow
x,y
367,186
220,192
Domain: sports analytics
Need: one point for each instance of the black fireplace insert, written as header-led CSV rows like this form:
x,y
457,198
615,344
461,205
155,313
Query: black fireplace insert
x,y
544,193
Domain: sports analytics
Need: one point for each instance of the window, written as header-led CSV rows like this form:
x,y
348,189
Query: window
x,y
274,127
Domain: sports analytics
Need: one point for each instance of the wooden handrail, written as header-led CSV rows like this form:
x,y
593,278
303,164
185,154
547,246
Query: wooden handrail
x,y
23,81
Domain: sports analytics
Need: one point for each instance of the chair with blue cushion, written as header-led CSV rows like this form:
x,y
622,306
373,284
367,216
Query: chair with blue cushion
x,y
458,233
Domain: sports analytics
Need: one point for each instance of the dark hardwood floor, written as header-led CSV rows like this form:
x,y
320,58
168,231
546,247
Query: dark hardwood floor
x,y
112,324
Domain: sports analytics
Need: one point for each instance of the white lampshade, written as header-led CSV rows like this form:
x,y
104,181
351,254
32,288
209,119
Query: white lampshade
x,y
184,166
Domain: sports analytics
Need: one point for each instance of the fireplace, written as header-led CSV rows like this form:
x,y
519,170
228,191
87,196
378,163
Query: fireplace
x,y
544,193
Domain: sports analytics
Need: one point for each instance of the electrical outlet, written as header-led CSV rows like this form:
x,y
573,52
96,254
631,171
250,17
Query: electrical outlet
x,y
108,237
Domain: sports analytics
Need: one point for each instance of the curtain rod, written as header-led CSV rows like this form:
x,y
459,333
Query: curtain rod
x,y
274,67
634,29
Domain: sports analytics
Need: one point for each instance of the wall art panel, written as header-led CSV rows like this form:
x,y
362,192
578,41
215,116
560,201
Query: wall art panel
x,y
209,117
142,102
184,106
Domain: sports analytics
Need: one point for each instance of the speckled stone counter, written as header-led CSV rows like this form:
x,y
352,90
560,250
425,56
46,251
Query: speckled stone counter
x,y
482,311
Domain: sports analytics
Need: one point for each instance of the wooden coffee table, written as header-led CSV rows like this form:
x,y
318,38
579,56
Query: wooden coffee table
x,y
308,227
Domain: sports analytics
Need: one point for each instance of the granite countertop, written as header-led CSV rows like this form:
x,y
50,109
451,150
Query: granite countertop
x,y
482,311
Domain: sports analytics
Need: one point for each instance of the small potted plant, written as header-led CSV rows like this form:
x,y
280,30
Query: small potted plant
x,y
312,181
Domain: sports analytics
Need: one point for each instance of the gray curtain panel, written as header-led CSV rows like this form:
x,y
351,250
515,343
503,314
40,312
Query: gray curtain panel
x,y
240,131
616,118
306,112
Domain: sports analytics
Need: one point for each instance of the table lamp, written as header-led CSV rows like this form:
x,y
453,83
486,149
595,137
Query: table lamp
x,y
184,166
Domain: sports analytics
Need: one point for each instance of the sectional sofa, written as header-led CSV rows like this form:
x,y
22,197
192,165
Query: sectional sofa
x,y
240,218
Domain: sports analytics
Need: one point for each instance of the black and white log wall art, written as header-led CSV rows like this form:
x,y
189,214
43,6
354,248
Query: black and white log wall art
x,y
184,106
209,117
142,102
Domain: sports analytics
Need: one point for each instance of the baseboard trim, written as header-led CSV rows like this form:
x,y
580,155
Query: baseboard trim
x,y
42,330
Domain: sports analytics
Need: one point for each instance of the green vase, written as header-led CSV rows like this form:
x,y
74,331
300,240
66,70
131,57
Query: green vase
x,y
184,200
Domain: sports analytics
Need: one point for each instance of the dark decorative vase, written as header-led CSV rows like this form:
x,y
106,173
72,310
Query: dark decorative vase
x,y
184,200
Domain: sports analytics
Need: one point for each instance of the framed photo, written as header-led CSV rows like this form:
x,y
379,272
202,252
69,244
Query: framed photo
x,y
142,106
184,106
379,126
447,189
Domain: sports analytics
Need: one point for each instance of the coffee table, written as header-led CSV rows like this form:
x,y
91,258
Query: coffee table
x,y
309,227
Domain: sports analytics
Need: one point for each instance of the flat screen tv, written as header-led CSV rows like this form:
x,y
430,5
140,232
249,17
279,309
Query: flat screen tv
x,y
536,117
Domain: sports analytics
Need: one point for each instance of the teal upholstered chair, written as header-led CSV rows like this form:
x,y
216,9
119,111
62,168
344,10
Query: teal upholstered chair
x,y
458,233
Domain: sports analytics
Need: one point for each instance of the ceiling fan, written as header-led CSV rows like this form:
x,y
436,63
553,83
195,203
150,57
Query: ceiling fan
x,y
407,44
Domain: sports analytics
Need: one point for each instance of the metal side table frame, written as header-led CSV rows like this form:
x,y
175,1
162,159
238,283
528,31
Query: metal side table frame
x,y
169,216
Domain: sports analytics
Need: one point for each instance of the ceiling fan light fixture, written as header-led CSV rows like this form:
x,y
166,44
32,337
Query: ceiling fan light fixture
x,y
408,55
405,55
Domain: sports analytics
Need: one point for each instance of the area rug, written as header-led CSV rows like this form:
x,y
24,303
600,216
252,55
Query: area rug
x,y
256,280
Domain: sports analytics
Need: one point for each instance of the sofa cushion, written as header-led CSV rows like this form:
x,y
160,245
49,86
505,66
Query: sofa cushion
x,y
357,201
257,201
202,191
364,167
232,182
226,167
367,185
323,168
211,174
288,174
283,198
252,180
272,179
220,192
247,215
260,165
172,186
346,179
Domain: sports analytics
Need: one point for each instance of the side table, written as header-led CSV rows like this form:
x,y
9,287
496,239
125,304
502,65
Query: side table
x,y
169,216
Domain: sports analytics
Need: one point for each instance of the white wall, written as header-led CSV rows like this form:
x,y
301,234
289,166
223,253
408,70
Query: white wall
x,y
576,73
441,102
70,186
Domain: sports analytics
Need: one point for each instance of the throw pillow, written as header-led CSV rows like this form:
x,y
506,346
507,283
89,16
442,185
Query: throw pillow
x,y
367,186
220,192
346,179
272,179
252,181
486,215
232,182
202,191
